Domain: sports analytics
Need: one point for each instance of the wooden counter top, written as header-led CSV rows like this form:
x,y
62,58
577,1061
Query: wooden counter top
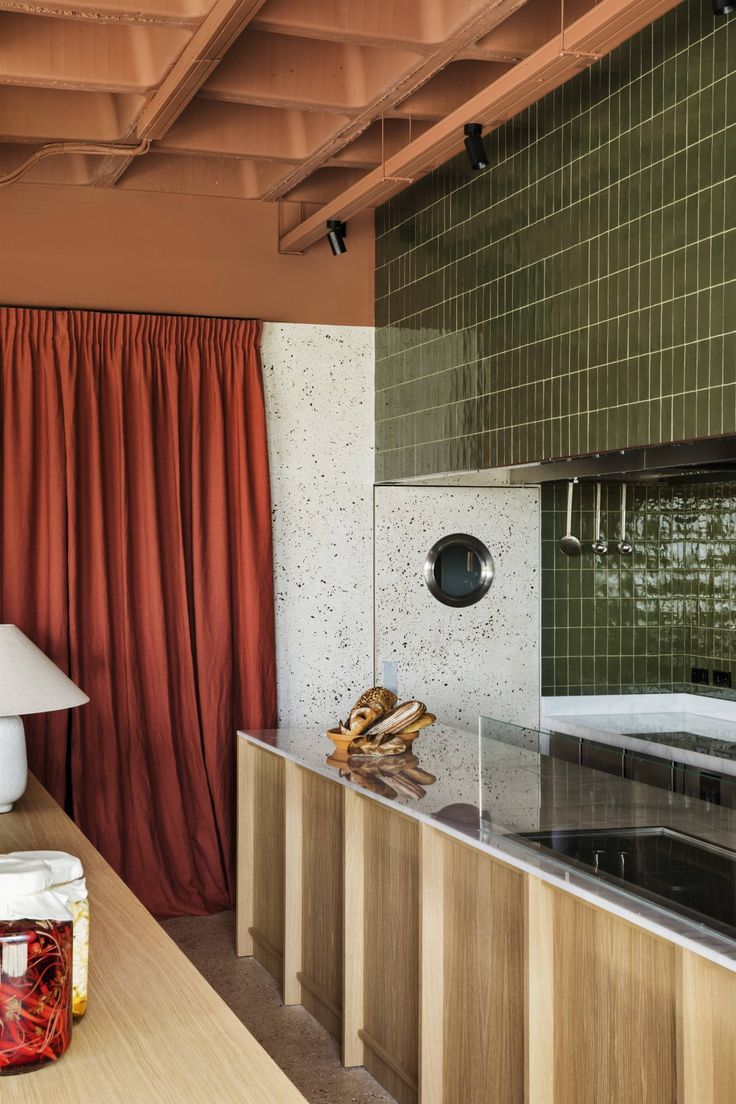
x,y
155,1031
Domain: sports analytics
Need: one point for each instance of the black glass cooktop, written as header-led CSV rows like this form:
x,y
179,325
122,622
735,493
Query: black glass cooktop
x,y
690,741
695,878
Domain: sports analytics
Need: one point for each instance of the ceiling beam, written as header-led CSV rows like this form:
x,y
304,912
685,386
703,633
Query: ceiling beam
x,y
595,34
280,71
50,53
388,23
513,39
51,115
107,12
480,24
261,132
236,179
206,48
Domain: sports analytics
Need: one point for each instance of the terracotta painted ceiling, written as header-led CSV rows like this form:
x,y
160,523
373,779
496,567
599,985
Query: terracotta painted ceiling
x,y
327,105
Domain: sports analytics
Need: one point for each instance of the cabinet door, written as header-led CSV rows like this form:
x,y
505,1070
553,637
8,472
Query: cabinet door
x,y
710,787
649,769
717,789
562,746
687,780
728,791
603,757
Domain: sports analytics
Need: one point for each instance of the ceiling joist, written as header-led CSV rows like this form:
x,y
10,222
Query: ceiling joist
x,y
478,25
333,104
206,48
596,33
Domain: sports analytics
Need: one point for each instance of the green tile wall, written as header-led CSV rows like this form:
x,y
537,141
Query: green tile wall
x,y
640,623
578,296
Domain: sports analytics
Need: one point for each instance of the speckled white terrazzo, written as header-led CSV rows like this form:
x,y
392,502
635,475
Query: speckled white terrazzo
x,y
505,789
319,403
483,658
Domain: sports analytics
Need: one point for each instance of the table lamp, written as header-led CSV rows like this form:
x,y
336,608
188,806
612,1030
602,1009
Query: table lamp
x,y
29,683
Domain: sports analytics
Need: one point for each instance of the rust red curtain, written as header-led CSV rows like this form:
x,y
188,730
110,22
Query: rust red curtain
x,y
135,549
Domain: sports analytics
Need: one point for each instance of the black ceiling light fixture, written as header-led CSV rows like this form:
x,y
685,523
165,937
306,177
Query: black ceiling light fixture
x,y
475,146
723,7
336,234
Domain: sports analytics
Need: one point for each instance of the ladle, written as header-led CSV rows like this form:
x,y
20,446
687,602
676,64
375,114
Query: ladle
x,y
569,544
623,545
599,546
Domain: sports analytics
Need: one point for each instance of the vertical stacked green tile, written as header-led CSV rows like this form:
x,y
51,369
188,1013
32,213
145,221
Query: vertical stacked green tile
x,y
633,624
579,295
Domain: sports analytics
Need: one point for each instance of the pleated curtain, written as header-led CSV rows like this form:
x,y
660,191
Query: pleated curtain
x,y
135,550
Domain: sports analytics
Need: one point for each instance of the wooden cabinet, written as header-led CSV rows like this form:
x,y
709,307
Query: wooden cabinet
x,y
456,978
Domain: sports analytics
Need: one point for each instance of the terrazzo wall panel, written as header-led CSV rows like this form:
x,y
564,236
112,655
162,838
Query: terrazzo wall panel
x,y
480,659
319,403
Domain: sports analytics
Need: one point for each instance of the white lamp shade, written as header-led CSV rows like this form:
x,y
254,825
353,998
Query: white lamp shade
x,y
29,681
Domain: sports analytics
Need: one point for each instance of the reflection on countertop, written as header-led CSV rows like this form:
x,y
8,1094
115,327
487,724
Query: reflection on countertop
x,y
491,788
386,775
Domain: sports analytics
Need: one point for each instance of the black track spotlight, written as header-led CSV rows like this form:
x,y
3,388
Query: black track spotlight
x,y
475,146
336,234
723,7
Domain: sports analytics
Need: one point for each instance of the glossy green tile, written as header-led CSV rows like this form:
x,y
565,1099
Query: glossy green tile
x,y
650,618
596,259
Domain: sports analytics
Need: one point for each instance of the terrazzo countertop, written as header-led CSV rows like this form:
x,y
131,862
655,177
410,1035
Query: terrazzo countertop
x,y
684,728
487,790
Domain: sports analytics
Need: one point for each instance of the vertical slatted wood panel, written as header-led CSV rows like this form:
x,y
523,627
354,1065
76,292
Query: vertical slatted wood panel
x,y
707,1023
268,861
483,979
614,1009
322,948
539,993
353,982
391,940
431,967
293,889
244,887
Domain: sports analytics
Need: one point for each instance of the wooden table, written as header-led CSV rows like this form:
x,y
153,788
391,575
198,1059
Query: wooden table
x,y
155,1030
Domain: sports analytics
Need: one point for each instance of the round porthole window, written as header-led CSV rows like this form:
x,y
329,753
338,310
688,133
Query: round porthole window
x,y
458,570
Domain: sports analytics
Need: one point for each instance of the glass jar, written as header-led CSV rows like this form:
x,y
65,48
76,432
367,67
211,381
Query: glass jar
x,y
35,967
68,881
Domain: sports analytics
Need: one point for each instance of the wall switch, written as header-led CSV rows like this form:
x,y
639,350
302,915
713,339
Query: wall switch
x,y
700,675
391,675
722,679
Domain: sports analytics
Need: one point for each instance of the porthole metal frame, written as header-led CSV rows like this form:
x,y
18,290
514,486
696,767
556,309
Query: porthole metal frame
x,y
486,574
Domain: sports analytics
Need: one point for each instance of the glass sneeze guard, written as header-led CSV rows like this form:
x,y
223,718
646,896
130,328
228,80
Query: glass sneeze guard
x,y
659,849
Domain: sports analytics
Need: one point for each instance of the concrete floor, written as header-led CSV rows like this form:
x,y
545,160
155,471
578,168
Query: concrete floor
x,y
306,1053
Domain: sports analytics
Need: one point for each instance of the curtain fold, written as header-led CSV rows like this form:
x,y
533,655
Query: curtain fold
x,y
135,545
